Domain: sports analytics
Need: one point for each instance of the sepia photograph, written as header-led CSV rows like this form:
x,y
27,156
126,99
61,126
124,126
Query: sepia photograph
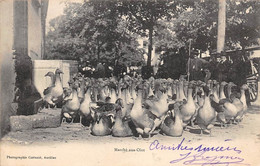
x,y
129,82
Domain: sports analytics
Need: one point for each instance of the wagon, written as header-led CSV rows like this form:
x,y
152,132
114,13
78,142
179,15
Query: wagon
x,y
252,75
252,82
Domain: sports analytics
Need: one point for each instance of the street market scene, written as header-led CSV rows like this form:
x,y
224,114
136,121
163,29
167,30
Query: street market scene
x,y
139,77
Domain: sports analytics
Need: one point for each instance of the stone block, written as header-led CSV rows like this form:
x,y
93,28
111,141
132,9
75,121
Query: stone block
x,y
20,123
52,121
46,118
38,121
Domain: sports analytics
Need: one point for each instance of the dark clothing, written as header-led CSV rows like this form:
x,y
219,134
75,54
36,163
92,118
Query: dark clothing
x,y
100,71
239,71
213,70
207,76
26,101
222,70
195,68
147,72
108,72
119,70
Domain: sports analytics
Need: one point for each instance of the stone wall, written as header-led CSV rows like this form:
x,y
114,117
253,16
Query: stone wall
x,y
7,107
42,67
34,30
21,34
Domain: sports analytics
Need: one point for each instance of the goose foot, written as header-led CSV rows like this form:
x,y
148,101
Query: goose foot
x,y
138,138
221,125
71,121
201,132
147,131
63,120
192,123
80,121
235,122
186,128
225,125
207,131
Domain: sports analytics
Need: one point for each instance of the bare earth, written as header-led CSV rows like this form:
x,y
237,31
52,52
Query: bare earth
x,y
74,145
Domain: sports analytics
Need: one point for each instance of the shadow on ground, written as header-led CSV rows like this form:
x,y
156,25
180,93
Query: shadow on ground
x,y
254,109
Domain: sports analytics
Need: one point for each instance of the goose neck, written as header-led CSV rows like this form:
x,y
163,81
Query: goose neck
x,y
53,80
207,101
57,79
74,94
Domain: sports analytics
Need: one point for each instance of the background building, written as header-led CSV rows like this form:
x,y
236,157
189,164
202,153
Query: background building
x,y
22,38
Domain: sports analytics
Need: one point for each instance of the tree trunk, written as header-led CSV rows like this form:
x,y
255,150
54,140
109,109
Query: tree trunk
x,y
150,46
221,26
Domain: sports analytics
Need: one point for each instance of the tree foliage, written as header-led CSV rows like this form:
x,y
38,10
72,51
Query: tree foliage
x,y
199,23
108,30
243,23
92,30
145,17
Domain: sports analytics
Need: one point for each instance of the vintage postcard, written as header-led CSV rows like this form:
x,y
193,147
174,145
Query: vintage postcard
x,y
134,83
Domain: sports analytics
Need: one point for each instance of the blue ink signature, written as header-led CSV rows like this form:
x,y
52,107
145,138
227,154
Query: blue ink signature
x,y
200,159
196,155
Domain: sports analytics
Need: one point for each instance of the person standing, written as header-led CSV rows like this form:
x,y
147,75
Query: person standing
x,y
195,67
212,66
119,69
100,70
223,68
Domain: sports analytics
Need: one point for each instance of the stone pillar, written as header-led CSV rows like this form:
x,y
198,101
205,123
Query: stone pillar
x,y
23,63
21,27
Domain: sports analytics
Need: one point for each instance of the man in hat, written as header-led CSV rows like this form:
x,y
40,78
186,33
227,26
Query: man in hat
x,y
195,67
222,68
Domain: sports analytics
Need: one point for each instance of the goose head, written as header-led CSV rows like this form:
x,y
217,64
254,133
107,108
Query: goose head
x,y
223,83
49,74
120,102
231,84
97,116
169,80
191,85
70,82
58,71
108,99
215,82
74,86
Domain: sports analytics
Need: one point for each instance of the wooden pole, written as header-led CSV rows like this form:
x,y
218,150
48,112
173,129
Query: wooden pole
x,y
188,72
221,26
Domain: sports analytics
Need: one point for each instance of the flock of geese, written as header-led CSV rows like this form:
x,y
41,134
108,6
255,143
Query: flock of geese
x,y
134,106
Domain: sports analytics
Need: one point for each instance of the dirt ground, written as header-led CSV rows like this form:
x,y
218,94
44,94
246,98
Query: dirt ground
x,y
74,144
74,132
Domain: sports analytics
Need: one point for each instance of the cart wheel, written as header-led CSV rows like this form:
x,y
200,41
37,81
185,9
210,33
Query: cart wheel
x,y
253,89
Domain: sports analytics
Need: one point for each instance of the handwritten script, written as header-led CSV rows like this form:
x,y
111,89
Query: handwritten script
x,y
198,155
